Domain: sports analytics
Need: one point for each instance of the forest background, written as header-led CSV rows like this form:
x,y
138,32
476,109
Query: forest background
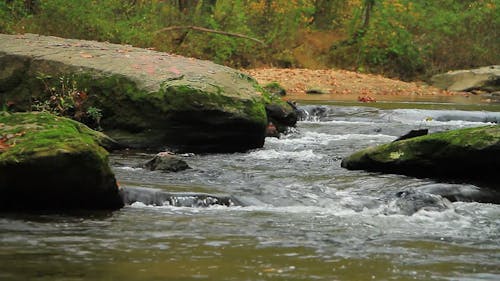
x,y
405,39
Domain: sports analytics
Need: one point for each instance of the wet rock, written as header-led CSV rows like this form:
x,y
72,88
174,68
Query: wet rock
x,y
53,163
157,197
272,131
410,201
148,99
413,134
462,193
166,161
483,79
282,115
467,155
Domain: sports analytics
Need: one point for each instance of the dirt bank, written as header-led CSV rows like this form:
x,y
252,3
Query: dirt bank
x,y
348,86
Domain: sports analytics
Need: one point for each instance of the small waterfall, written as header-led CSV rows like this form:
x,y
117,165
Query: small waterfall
x,y
313,113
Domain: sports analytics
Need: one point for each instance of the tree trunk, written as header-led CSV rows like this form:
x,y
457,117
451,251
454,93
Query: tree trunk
x,y
367,10
187,5
323,15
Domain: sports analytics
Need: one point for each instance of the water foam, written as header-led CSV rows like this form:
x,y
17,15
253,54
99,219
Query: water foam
x,y
127,168
457,118
268,154
338,122
314,138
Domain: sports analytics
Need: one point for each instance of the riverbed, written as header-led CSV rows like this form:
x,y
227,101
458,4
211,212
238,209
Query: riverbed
x,y
300,217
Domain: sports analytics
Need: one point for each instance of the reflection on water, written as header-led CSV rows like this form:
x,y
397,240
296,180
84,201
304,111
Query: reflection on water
x,y
455,101
304,217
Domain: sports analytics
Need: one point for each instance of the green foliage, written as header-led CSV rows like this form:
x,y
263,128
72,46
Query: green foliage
x,y
229,16
63,96
95,114
465,34
404,38
10,14
408,38
388,43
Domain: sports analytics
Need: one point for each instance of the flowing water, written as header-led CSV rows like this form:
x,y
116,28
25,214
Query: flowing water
x,y
303,216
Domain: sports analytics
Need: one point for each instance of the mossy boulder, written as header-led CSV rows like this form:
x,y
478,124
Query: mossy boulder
x,y
468,155
53,163
147,98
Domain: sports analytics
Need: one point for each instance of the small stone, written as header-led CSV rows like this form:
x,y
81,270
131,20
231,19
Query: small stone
x,y
316,91
166,161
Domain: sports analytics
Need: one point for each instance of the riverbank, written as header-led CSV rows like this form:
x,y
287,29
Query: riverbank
x,y
343,85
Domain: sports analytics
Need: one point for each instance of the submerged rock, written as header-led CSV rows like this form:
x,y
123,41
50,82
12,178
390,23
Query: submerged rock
x,y
409,202
53,163
147,98
462,193
467,155
157,197
166,161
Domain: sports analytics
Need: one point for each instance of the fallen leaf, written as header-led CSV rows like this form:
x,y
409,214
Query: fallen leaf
x,y
173,69
3,145
269,269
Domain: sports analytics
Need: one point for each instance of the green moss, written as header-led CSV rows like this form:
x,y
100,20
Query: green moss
x,y
139,109
269,98
429,148
258,112
53,163
275,89
179,97
42,134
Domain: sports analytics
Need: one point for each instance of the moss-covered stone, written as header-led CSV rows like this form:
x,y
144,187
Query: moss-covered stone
x,y
471,154
162,99
274,88
49,162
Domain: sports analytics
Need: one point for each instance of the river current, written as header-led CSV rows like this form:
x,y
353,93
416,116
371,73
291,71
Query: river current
x,y
304,217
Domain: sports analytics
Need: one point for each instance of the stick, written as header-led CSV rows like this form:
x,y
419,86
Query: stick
x,y
202,29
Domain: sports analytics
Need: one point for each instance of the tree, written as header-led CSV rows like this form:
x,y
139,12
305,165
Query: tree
x,y
323,15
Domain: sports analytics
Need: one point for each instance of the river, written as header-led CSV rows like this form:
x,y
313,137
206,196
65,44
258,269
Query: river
x,y
304,217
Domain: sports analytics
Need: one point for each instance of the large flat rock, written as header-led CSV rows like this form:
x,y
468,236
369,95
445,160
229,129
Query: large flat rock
x,y
484,78
148,98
